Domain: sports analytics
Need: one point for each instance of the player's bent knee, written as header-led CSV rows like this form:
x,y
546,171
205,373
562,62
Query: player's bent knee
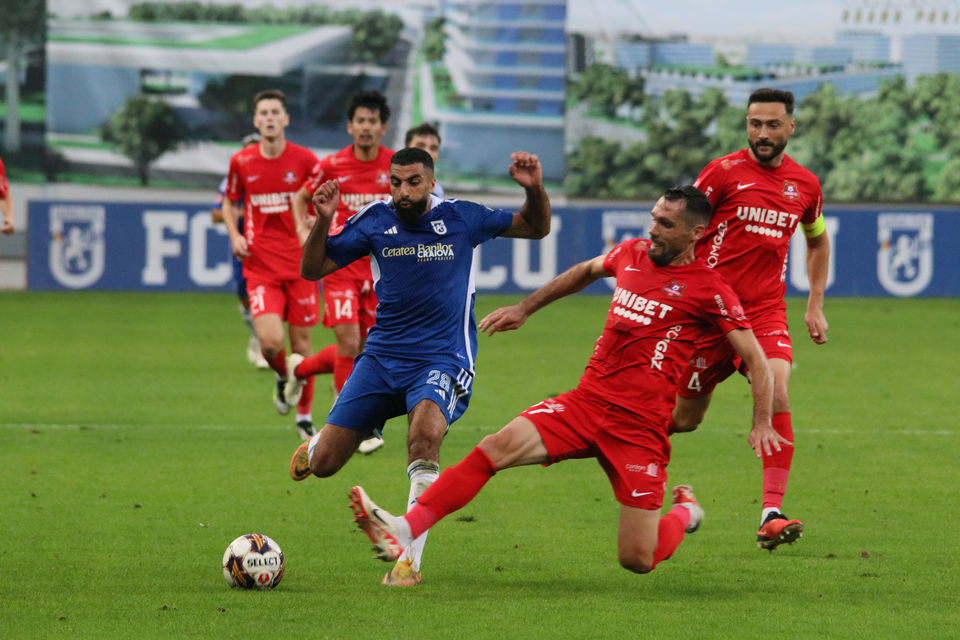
x,y
324,465
637,563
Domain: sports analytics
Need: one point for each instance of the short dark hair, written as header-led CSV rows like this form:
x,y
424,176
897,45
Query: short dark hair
x,y
423,129
373,100
767,94
412,155
270,94
697,208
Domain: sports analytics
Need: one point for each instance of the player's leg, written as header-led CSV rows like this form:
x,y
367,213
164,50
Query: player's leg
x,y
712,363
644,539
330,448
427,426
270,331
302,313
516,444
300,391
775,527
254,356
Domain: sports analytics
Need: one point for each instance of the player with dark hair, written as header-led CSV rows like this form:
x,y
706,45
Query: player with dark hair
x,y
266,177
6,202
760,196
349,302
426,136
618,413
419,356
254,356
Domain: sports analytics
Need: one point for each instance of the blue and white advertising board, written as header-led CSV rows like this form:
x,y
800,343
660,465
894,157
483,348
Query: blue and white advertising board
x,y
891,251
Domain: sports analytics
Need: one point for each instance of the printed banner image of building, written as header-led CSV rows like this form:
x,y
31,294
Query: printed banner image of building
x,y
101,64
500,87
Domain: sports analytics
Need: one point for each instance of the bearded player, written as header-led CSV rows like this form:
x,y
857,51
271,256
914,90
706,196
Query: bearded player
x,y
760,197
663,301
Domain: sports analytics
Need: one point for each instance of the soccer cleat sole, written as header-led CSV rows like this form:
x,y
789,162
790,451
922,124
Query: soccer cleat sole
x,y
385,546
300,463
788,535
402,575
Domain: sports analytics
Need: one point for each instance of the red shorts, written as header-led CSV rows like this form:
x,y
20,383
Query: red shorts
x,y
296,301
633,453
715,359
349,298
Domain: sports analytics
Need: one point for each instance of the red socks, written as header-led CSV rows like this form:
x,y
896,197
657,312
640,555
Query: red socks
x,y
776,467
670,533
320,362
455,487
342,366
278,362
306,399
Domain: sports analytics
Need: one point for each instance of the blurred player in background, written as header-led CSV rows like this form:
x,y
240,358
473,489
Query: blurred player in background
x,y
266,178
6,202
349,301
216,214
419,356
760,196
618,413
425,136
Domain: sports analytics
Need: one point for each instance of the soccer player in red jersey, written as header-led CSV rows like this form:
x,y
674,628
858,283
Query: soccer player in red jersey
x,y
664,300
349,302
6,202
760,196
266,177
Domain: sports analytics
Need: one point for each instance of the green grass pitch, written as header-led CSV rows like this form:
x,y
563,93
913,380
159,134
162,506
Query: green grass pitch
x,y
136,443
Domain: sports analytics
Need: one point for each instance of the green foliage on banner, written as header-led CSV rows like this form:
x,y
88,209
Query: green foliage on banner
x,y
900,145
375,33
143,129
434,39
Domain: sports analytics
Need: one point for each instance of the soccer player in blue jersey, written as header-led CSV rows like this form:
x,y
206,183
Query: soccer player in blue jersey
x,y
419,356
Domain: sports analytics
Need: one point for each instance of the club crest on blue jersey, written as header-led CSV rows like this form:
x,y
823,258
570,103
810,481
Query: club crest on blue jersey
x,y
438,226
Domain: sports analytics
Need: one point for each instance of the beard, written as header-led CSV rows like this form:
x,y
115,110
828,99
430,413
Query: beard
x,y
664,256
409,211
767,156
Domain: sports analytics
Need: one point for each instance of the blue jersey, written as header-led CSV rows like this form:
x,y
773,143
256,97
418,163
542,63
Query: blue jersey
x,y
423,275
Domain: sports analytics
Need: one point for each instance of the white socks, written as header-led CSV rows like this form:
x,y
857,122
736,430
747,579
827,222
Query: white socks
x,y
422,474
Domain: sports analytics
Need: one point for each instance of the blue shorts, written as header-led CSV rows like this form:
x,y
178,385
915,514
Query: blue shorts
x,y
381,387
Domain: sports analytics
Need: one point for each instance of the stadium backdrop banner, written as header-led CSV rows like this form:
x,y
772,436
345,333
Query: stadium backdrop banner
x,y
895,251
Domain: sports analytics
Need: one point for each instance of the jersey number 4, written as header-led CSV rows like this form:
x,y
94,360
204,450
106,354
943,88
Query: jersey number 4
x,y
694,384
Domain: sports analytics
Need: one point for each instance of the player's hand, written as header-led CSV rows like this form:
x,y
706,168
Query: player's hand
x,y
6,228
816,325
764,440
503,319
325,200
240,248
525,169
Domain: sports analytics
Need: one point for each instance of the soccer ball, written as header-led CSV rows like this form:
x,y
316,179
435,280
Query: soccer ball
x,y
253,561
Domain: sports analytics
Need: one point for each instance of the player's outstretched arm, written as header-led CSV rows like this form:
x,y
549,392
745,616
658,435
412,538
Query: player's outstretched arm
x,y
532,220
315,264
570,281
763,438
818,266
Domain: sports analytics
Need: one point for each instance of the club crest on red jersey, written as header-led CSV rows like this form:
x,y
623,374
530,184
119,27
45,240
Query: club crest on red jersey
x,y
289,177
674,288
383,179
790,190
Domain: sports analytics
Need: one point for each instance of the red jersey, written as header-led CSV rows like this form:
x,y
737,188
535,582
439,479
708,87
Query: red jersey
x,y
267,187
4,186
360,184
756,209
655,318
